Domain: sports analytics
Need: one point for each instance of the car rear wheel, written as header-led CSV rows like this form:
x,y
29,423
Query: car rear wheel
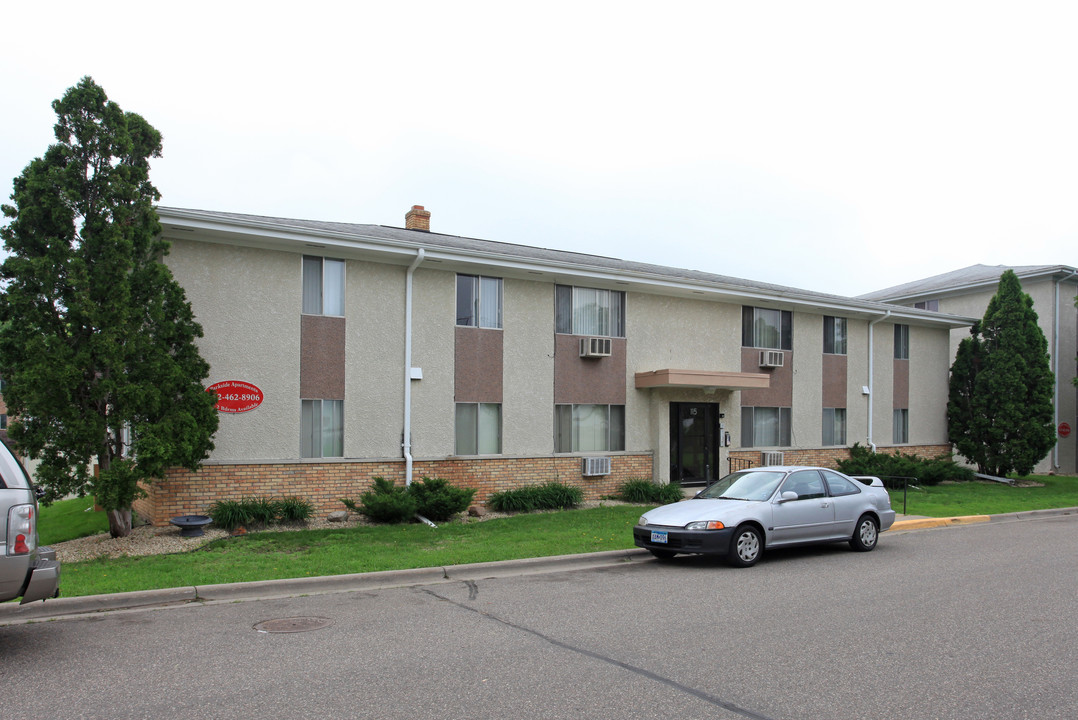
x,y
866,534
662,554
745,546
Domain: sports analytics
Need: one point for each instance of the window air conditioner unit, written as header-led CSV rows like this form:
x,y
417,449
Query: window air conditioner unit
x,y
593,466
772,458
771,358
594,347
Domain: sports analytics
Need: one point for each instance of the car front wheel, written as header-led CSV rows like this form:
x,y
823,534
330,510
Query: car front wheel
x,y
866,534
745,546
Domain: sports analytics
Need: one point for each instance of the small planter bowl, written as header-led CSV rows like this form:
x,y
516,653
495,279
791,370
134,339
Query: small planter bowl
x,y
191,525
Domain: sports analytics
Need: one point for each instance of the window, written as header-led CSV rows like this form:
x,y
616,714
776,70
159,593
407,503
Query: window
x,y
902,342
479,429
323,286
834,335
834,426
933,305
765,427
901,428
321,428
589,428
806,483
479,301
588,311
838,486
766,328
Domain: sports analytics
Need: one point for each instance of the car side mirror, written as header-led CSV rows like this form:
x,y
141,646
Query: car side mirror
x,y
788,496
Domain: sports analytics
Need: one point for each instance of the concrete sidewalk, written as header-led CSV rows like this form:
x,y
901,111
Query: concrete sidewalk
x,y
12,613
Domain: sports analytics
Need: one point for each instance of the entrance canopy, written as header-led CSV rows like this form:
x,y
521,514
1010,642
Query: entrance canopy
x,y
714,379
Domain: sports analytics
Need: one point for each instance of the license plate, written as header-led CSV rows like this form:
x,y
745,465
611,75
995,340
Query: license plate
x,y
659,536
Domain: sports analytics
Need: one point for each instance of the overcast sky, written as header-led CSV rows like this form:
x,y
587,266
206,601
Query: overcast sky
x,y
834,146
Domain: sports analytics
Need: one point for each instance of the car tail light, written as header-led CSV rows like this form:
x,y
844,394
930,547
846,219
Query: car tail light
x,y
21,530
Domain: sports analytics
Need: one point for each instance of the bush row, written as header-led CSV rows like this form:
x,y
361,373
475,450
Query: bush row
x,y
433,498
926,471
259,512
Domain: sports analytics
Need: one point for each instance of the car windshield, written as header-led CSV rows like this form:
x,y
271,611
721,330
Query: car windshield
x,y
745,485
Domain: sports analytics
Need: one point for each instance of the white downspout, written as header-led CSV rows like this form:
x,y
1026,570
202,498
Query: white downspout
x,y
406,442
871,364
1055,369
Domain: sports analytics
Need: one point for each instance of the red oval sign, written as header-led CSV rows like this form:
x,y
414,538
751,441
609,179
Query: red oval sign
x,y
236,396
1064,429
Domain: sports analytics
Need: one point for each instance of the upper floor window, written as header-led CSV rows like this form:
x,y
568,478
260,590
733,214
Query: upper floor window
x,y
767,328
834,335
589,311
933,305
902,342
479,301
589,428
323,286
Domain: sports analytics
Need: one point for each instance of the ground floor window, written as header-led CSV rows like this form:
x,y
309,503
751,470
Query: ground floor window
x,y
901,427
479,429
834,426
321,428
589,428
765,426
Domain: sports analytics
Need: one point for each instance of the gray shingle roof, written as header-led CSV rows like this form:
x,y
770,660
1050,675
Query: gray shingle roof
x,y
974,276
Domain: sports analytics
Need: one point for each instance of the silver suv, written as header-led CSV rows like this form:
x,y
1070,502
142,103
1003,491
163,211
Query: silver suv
x,y
26,570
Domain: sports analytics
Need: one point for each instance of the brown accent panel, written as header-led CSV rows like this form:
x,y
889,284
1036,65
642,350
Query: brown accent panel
x,y
477,358
321,357
780,393
834,381
599,381
901,398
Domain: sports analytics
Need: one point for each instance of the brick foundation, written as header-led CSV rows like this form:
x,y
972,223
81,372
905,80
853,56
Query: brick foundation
x,y
325,483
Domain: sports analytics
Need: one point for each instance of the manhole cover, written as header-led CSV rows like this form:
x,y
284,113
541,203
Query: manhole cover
x,y
293,624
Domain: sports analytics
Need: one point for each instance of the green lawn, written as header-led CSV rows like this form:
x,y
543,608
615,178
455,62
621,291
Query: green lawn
x,y
275,555
988,498
70,519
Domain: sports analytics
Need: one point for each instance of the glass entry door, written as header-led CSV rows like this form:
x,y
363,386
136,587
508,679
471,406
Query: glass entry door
x,y
694,443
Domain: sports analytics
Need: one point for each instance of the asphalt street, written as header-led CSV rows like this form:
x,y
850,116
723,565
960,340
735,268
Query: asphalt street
x,y
972,621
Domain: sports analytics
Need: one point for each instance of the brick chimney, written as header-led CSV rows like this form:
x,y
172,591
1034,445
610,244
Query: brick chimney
x,y
417,219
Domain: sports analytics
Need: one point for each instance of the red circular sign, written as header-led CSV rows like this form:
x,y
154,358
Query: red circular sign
x,y
1064,429
236,396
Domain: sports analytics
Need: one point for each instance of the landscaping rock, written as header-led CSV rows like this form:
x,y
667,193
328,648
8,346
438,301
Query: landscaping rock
x,y
477,511
338,516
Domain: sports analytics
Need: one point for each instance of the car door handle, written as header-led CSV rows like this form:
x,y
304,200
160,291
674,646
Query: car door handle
x,y
824,504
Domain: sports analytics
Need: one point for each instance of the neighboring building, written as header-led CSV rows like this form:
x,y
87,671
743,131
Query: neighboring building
x,y
404,353
1053,289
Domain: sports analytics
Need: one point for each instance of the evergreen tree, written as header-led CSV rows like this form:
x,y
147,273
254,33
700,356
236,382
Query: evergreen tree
x,y
98,342
999,411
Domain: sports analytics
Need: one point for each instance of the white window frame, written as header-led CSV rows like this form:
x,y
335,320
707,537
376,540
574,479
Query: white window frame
x,y
755,319
835,341
589,311
900,428
318,436
902,342
326,276
588,427
834,427
478,429
753,420
485,304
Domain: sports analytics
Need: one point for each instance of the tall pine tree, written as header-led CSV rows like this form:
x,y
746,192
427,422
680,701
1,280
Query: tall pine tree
x,y
98,340
999,411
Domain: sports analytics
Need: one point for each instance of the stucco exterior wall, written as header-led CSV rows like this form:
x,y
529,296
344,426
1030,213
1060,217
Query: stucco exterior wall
x,y
433,336
807,409
248,302
856,379
374,360
928,378
527,367
883,370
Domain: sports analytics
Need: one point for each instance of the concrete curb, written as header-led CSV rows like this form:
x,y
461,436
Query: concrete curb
x,y
11,613
922,523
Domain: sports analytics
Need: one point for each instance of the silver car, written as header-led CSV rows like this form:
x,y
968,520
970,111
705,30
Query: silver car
x,y
26,570
768,507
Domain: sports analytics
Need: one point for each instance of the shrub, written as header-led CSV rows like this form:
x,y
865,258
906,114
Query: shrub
x,y
229,514
646,492
294,509
548,496
387,503
436,499
262,511
926,471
